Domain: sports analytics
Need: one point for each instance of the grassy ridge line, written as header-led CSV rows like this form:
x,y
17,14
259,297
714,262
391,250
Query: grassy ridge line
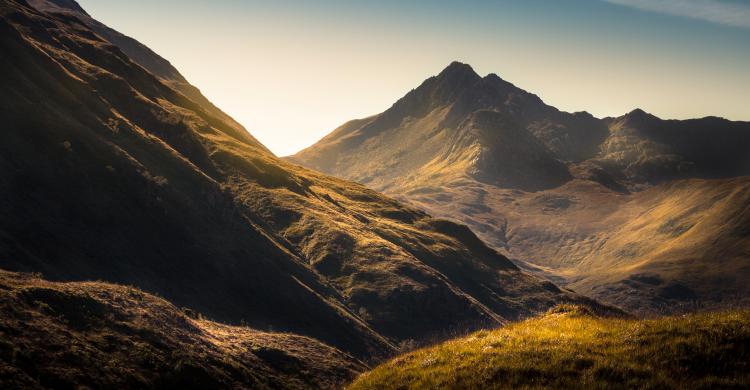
x,y
571,348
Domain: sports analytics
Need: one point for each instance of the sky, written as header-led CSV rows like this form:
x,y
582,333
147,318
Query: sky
x,y
291,71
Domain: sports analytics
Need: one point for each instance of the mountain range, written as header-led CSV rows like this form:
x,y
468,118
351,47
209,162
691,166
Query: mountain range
x,y
648,214
115,169
148,240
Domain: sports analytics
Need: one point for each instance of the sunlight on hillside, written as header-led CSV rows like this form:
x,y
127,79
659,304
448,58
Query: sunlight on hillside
x,y
569,347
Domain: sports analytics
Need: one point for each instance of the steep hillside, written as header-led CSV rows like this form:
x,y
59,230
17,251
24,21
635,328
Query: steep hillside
x,y
112,174
561,193
573,348
143,56
98,335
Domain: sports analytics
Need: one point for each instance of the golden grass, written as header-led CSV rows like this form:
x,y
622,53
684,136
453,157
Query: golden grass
x,y
570,348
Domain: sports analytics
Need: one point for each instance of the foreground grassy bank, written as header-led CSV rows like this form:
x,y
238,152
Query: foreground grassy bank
x,y
571,348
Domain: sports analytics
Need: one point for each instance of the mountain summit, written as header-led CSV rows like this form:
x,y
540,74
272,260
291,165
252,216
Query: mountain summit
x,y
459,124
559,191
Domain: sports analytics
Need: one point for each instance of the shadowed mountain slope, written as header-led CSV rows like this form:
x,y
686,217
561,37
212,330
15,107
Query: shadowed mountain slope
x,y
647,149
561,192
112,173
98,335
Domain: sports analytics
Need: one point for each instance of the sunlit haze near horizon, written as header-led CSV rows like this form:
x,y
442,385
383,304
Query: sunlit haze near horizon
x,y
292,71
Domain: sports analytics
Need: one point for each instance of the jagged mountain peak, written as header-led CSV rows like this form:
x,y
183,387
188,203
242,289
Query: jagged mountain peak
x,y
493,78
465,72
459,71
458,66
464,82
427,129
638,116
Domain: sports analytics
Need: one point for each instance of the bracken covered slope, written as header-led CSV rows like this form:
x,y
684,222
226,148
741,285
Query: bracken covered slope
x,y
572,348
111,172
104,336
584,201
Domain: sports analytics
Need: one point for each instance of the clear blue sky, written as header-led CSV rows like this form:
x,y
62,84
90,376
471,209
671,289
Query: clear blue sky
x,y
291,71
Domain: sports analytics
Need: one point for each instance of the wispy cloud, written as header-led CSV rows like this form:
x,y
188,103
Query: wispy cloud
x,y
731,13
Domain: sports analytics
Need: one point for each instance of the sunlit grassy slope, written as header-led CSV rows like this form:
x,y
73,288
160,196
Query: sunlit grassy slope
x,y
571,348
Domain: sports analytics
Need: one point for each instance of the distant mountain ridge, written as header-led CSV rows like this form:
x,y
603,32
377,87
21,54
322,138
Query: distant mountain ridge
x,y
440,108
434,127
549,188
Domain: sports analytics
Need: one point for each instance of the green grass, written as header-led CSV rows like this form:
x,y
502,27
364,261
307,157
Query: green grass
x,y
571,348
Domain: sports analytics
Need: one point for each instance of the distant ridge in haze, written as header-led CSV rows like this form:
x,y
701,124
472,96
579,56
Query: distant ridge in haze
x,y
558,191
